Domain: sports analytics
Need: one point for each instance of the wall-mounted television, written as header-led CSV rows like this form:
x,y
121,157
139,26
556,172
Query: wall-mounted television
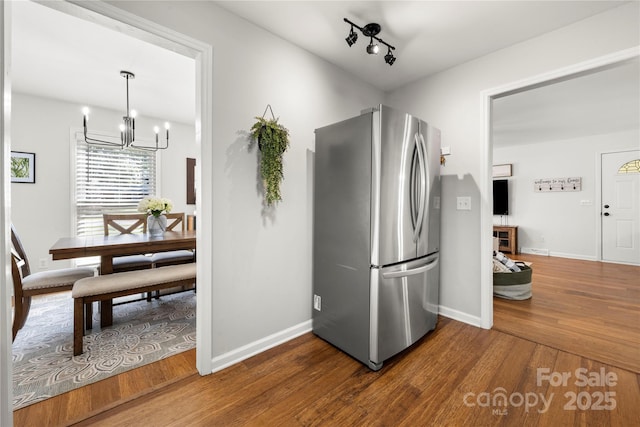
x,y
500,197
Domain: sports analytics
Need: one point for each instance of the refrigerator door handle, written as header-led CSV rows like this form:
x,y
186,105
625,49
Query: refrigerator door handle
x,y
411,272
426,189
413,190
421,193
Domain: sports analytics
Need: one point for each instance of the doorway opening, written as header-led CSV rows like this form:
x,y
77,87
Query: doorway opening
x,y
487,98
116,19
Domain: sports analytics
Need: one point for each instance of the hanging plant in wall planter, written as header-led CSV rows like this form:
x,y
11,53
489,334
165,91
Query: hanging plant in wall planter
x,y
273,141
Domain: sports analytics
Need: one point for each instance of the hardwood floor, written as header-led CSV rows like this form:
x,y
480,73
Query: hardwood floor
x,y
84,402
452,377
582,307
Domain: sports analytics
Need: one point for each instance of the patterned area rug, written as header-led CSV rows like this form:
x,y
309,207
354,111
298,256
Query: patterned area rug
x,y
142,332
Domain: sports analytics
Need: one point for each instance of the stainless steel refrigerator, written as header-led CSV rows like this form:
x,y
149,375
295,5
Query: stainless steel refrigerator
x,y
376,233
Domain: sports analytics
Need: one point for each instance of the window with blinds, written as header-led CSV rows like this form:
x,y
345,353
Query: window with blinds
x,y
110,180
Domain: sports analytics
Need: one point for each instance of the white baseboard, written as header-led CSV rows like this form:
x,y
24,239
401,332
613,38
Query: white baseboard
x,y
573,256
460,316
547,252
230,358
225,360
535,251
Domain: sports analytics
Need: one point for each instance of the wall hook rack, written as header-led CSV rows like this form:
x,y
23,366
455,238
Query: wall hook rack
x,y
544,185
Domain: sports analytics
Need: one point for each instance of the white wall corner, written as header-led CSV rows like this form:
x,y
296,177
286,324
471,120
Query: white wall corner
x,y
462,317
230,358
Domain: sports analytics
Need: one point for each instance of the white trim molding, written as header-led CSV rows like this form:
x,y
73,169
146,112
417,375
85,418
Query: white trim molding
x,y
246,351
486,97
6,360
460,316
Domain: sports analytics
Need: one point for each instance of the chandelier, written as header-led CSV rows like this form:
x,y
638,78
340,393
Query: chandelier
x,y
370,30
127,128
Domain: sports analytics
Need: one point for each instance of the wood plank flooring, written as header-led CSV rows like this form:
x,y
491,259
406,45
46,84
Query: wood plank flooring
x,y
452,377
84,402
582,307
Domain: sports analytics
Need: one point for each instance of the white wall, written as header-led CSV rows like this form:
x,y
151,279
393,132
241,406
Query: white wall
x,y
451,101
261,257
558,221
41,212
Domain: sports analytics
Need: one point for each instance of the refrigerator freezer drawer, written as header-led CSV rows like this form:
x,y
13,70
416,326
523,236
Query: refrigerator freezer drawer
x,y
404,306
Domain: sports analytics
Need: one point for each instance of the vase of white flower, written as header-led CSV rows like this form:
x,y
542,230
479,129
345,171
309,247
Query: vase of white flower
x,y
156,225
156,207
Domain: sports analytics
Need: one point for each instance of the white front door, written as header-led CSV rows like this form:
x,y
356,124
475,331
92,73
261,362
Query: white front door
x,y
620,213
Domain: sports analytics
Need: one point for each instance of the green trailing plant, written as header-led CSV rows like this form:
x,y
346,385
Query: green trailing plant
x,y
273,141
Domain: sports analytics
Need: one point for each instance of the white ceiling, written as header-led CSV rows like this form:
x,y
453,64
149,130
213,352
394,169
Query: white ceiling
x,y
429,36
60,56
602,102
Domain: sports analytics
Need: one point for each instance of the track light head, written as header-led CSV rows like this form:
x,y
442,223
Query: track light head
x,y
352,37
389,58
373,49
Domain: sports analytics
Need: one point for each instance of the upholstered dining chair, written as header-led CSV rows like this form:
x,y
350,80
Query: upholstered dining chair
x,y
127,224
27,284
175,221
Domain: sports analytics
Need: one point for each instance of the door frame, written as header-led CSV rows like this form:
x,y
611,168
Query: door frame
x,y
486,143
120,20
598,207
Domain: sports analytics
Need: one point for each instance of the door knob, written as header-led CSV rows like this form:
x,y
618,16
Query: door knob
x,y
606,206
606,214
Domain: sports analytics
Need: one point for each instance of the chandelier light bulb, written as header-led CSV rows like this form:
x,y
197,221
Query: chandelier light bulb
x,y
156,129
121,127
134,113
85,111
167,125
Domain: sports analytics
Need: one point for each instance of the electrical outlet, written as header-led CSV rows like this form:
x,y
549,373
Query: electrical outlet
x,y
43,263
463,203
317,302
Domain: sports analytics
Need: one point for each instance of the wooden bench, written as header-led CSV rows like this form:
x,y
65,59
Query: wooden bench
x,y
105,288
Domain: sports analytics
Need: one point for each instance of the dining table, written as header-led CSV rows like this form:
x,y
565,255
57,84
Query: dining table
x,y
107,247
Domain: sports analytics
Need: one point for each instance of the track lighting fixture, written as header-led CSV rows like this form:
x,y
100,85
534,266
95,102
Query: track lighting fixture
x,y
370,30
127,127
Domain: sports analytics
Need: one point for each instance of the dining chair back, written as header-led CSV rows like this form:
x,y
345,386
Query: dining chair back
x,y
27,284
175,220
127,223
18,250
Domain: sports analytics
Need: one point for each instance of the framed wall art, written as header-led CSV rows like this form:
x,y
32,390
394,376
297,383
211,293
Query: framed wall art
x,y
191,181
23,167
